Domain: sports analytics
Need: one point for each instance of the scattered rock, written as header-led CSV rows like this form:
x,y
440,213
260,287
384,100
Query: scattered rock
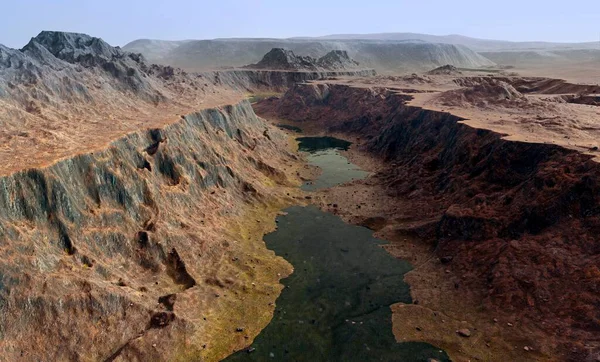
x,y
464,332
161,319
446,259
168,301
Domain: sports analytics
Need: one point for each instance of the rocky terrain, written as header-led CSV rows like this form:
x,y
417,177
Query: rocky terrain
x,y
134,200
383,56
134,197
283,59
512,218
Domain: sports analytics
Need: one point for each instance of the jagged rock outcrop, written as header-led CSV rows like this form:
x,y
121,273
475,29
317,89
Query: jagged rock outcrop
x,y
483,92
337,59
445,70
284,59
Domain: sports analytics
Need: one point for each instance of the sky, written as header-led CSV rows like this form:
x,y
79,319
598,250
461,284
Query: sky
x,y
119,22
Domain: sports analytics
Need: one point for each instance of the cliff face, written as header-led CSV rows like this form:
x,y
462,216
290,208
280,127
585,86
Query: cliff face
x,y
145,250
520,221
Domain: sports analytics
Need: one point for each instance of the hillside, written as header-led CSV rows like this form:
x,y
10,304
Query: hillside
x,y
126,190
65,86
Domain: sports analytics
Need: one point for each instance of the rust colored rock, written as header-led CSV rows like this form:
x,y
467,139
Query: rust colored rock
x,y
464,333
161,319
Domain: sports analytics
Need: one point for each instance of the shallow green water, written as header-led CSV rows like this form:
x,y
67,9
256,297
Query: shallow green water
x,y
336,304
324,153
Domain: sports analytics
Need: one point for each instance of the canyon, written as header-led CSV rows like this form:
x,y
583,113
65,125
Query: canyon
x,y
147,211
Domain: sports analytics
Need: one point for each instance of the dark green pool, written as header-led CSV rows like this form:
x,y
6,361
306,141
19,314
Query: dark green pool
x,y
336,304
335,168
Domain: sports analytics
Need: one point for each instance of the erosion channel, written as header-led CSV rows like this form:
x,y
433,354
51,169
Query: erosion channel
x,y
336,304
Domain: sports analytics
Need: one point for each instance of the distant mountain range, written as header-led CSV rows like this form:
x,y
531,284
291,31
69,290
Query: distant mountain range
x,y
473,43
386,52
384,56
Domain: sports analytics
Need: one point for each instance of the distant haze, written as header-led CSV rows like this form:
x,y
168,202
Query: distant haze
x,y
119,22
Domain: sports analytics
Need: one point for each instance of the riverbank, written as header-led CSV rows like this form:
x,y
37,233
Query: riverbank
x,y
510,220
336,306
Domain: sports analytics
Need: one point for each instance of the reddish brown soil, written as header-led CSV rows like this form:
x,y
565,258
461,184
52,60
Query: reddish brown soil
x,y
518,220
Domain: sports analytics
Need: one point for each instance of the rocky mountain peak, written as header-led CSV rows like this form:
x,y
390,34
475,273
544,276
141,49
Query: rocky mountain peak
x,y
76,48
337,59
284,59
280,58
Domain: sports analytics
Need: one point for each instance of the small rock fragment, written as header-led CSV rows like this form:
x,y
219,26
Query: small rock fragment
x,y
464,332
446,259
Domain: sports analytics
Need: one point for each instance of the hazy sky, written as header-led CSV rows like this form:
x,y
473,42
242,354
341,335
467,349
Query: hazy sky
x,y
121,21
